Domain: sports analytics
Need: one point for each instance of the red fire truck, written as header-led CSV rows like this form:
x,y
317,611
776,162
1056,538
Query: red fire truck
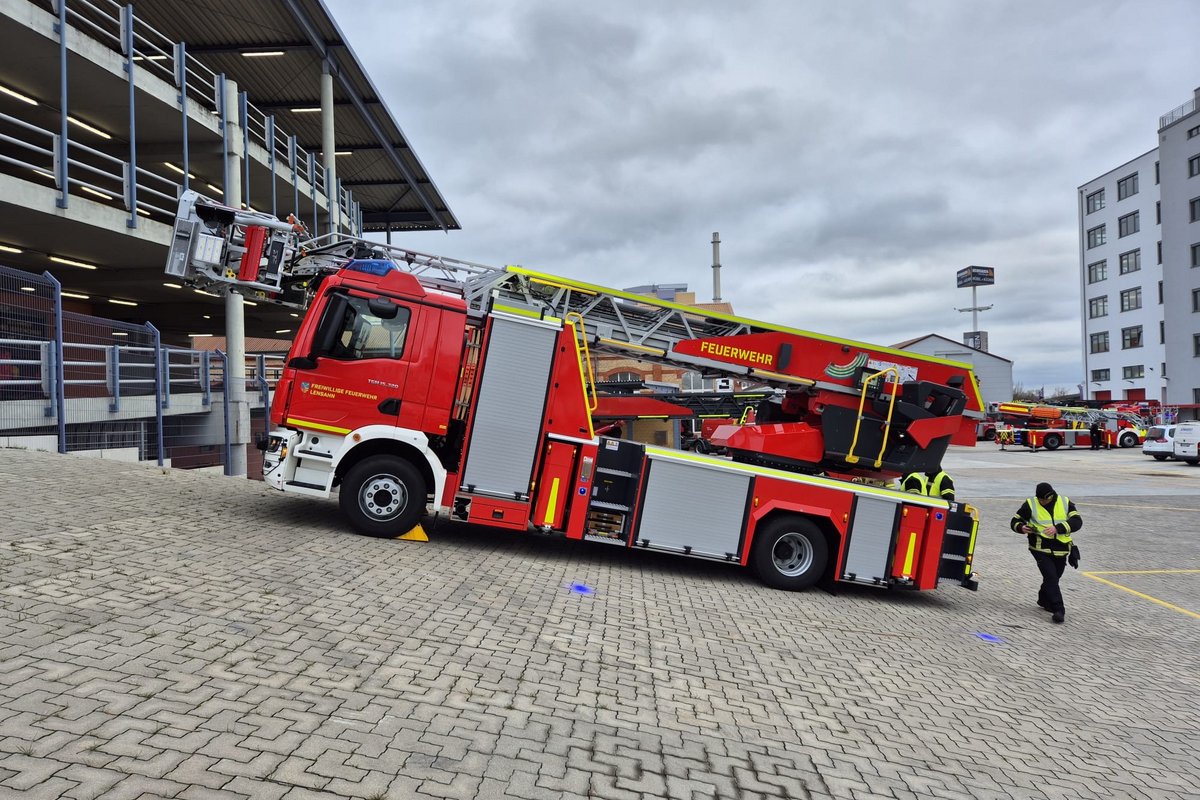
x,y
418,384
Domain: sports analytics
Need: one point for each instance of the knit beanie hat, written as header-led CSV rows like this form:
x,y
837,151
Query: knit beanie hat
x,y
1044,490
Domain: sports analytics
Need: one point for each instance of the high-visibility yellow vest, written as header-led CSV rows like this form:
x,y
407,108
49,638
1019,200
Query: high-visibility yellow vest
x,y
924,485
1040,518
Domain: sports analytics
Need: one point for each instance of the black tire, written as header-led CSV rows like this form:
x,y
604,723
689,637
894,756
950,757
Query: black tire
x,y
1159,457
1127,439
702,447
383,496
1052,441
789,553
989,435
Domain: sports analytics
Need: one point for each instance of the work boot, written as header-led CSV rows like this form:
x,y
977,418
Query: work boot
x,y
1059,616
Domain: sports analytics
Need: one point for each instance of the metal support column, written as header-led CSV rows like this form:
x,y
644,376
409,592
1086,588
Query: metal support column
x,y
181,84
238,425
244,115
329,147
61,152
132,178
60,373
271,164
158,392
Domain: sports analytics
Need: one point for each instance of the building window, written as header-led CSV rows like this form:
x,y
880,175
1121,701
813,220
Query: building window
x,y
1095,201
1196,345
1195,300
1193,166
1131,299
1127,186
1162,332
1196,395
1156,173
1095,237
1131,261
1158,212
1194,209
1160,252
1097,271
1135,371
1160,295
1098,307
1131,337
1163,367
1194,132
1099,342
1196,255
1128,225
1100,375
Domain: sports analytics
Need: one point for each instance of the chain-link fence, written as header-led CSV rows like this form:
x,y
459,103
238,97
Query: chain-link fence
x,y
81,384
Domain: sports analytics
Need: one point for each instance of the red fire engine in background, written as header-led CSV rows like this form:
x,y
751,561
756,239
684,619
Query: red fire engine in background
x,y
1040,425
421,384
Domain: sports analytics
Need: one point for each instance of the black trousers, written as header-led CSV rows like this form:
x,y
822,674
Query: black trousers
x,y
1051,567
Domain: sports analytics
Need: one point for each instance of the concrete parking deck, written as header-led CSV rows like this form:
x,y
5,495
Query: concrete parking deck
x,y
172,634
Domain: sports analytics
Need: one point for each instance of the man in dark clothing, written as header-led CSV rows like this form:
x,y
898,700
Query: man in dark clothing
x,y
933,482
1094,434
1048,520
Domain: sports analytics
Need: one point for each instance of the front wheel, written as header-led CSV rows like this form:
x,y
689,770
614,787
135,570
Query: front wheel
x,y
789,553
383,496
1128,439
1052,441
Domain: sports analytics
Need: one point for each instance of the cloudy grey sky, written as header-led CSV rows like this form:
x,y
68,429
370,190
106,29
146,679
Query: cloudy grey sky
x,y
853,154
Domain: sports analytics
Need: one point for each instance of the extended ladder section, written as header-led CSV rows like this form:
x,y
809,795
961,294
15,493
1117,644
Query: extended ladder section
x,y
265,258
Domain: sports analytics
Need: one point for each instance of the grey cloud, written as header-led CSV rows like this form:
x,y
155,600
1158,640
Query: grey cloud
x,y
853,155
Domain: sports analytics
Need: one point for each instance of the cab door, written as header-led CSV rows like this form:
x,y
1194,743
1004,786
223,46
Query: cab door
x,y
358,365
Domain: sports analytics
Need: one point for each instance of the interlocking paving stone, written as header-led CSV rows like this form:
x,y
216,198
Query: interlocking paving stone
x,y
185,635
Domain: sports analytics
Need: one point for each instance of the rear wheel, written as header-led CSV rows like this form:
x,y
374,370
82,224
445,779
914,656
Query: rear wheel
x,y
383,496
1052,441
1127,439
789,553
1159,457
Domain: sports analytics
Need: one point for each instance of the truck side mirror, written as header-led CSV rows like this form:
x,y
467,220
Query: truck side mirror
x,y
383,308
303,362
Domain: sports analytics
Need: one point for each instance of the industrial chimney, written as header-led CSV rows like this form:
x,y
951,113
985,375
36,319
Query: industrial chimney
x,y
716,267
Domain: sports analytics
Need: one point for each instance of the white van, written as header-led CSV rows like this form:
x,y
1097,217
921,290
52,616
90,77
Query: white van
x,y
1160,442
1187,438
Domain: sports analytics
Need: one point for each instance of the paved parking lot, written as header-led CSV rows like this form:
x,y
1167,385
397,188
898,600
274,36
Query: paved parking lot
x,y
172,634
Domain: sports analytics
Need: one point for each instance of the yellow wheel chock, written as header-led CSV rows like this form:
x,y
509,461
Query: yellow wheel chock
x,y
417,534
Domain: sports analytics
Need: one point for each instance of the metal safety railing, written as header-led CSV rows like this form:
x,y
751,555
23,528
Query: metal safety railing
x,y
77,383
80,160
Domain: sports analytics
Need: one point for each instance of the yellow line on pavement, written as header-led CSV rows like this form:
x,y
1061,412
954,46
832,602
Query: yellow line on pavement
x,y
1142,572
1153,508
1163,603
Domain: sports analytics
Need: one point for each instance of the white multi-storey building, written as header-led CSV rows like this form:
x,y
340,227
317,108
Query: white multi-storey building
x,y
1179,166
1121,275
1139,244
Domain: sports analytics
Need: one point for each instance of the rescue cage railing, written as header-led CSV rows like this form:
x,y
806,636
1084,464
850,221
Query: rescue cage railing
x,y
75,382
103,166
